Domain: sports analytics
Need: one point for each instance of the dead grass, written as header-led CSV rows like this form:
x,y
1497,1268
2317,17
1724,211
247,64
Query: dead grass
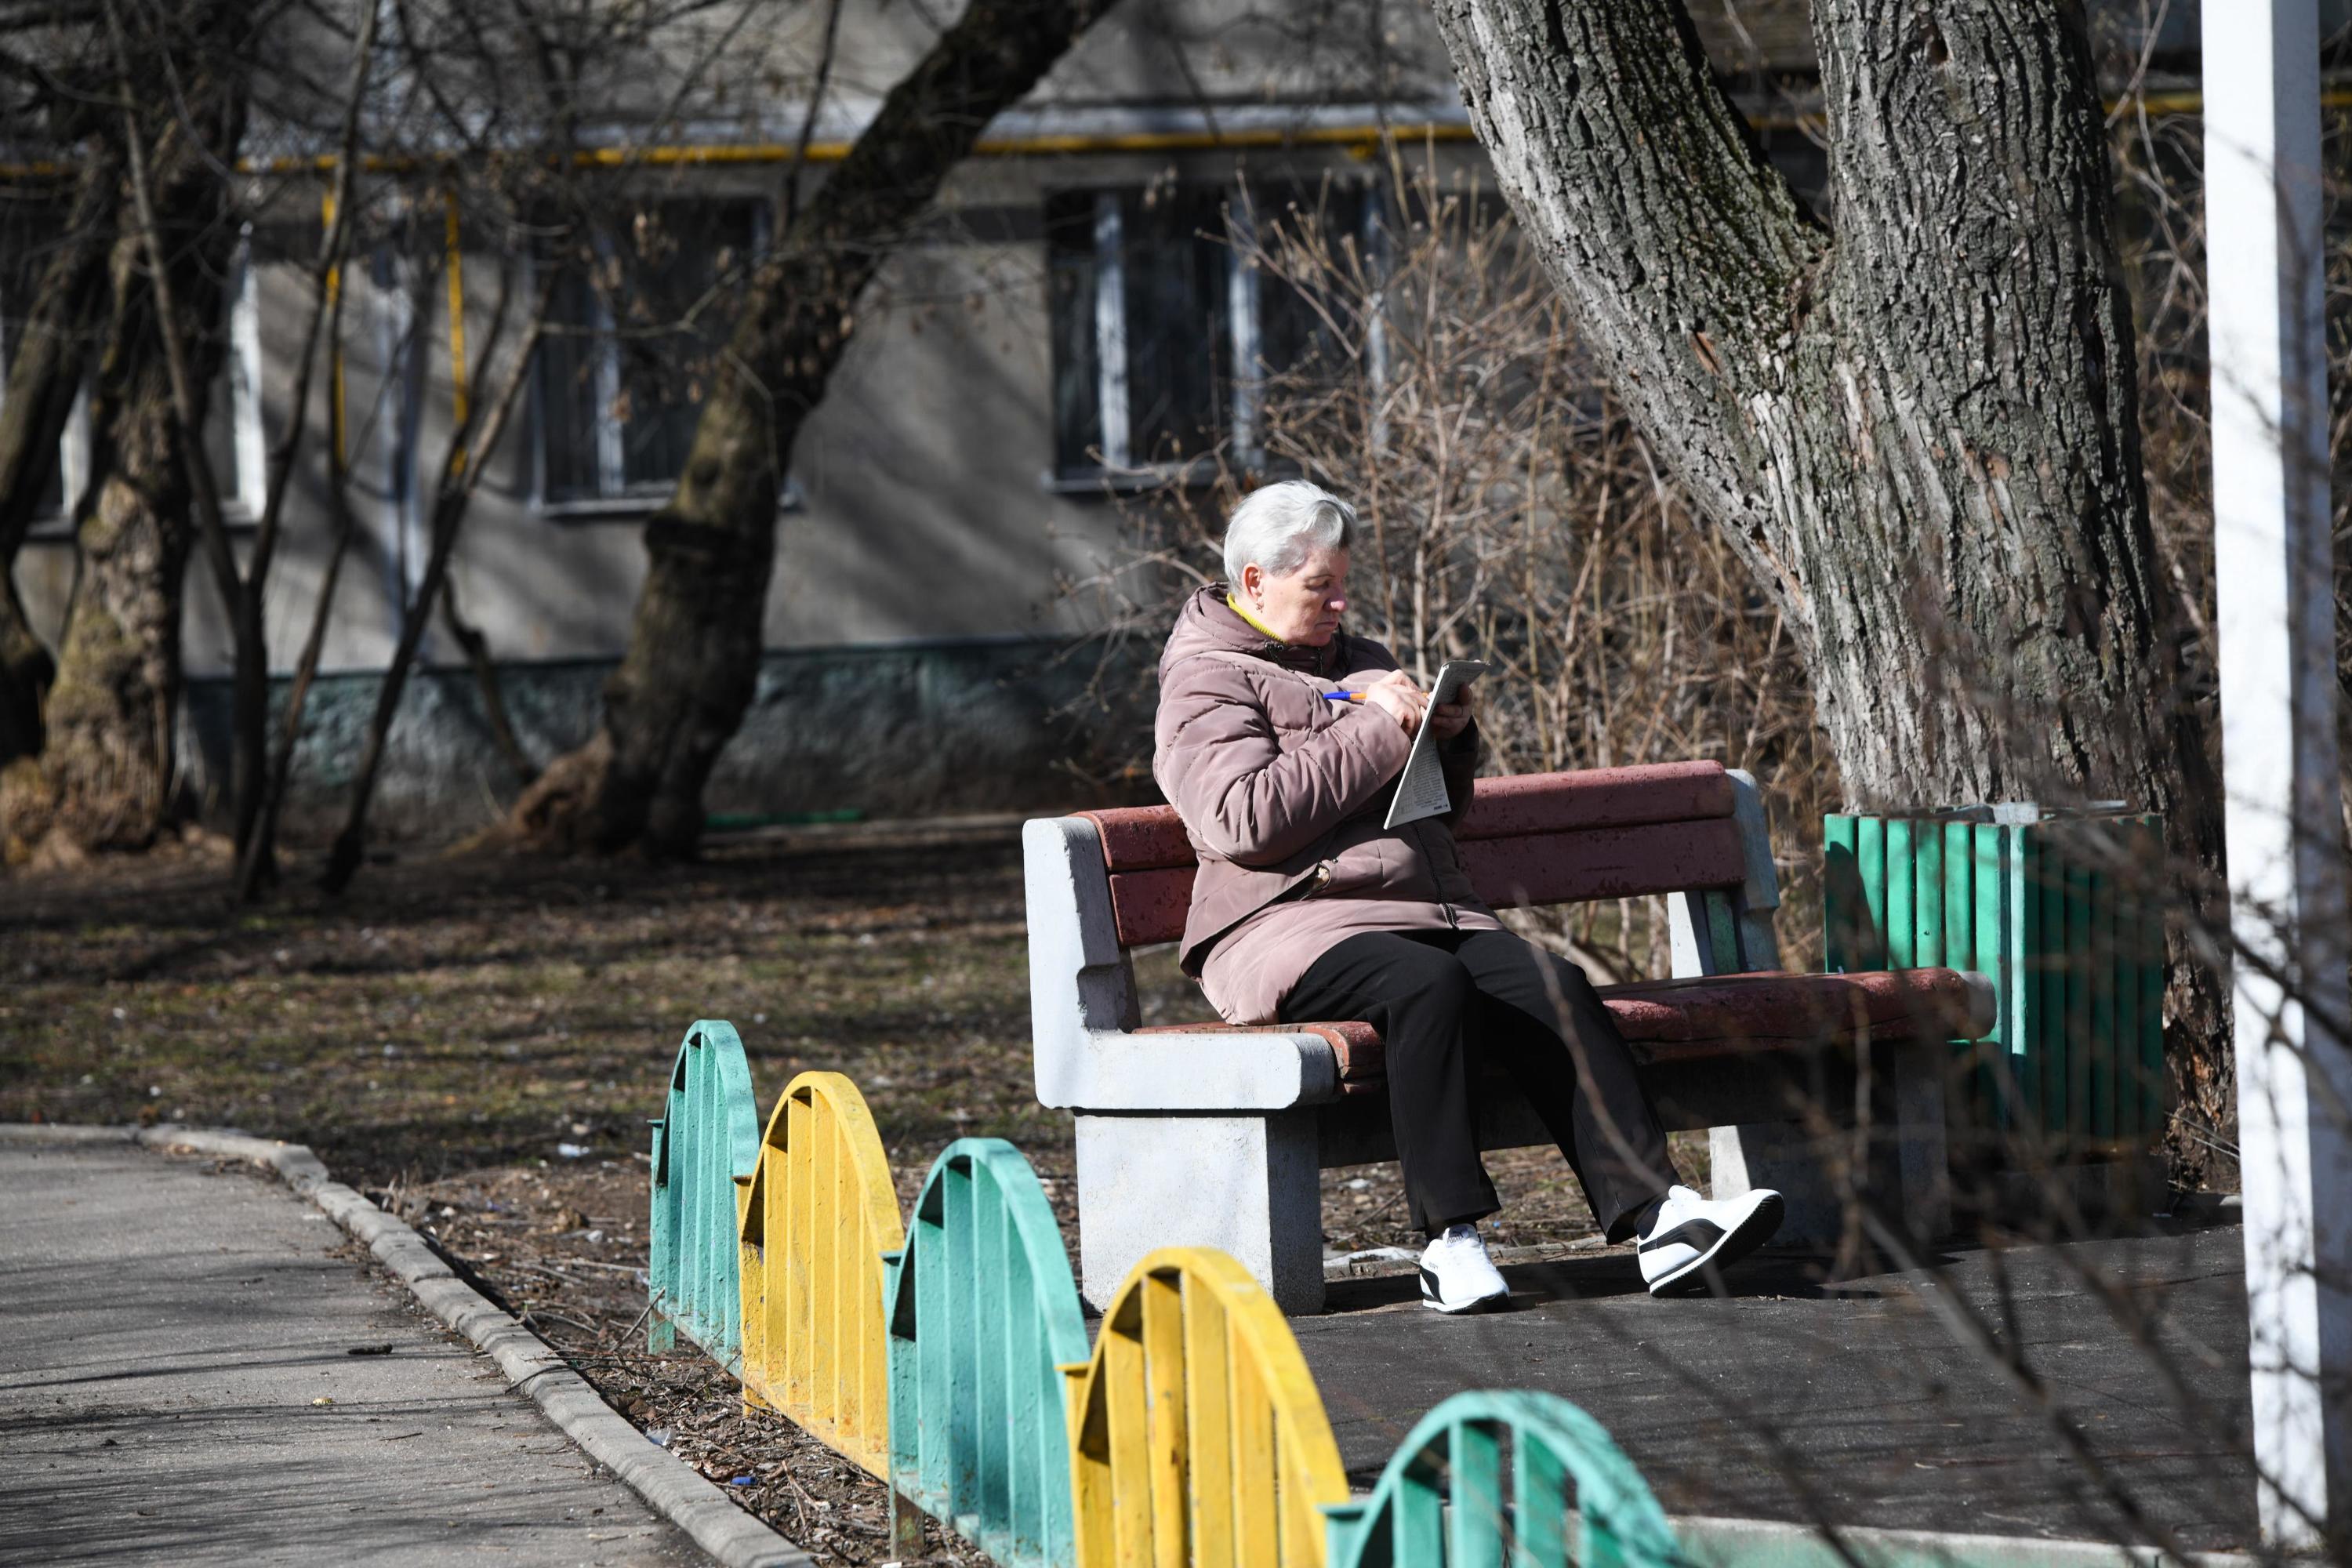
x,y
451,1031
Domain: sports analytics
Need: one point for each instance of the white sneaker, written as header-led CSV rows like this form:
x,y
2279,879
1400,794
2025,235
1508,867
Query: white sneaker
x,y
1693,1238
1456,1275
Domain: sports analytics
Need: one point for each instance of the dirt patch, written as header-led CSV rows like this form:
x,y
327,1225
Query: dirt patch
x,y
477,1043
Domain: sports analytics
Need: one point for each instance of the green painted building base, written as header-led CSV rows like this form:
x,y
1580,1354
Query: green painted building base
x,y
956,727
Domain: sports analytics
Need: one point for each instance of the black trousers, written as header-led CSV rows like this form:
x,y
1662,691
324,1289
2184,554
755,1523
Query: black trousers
x,y
1448,1002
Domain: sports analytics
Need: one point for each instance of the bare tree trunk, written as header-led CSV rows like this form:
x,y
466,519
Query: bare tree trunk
x,y
476,648
694,648
471,446
106,768
112,712
42,382
249,706
1921,433
262,855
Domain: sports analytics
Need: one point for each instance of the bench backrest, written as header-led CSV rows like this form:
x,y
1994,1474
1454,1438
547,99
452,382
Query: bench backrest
x,y
1536,838
1104,882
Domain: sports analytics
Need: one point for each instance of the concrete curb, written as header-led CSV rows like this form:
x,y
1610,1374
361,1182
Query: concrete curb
x,y
732,1537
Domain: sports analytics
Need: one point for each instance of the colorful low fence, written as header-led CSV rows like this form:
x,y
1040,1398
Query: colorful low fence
x,y
2064,914
704,1145
985,1323
951,1361
820,1215
1197,1435
1441,1501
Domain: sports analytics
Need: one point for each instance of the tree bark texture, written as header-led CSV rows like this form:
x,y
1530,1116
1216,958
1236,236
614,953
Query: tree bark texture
x,y
693,657
108,764
1921,432
51,350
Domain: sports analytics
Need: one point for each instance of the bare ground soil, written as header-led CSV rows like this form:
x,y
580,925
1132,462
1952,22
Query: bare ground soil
x,y
477,1043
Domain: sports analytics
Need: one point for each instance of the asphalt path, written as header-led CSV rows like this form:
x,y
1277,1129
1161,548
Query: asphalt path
x,y
178,1384
1868,1404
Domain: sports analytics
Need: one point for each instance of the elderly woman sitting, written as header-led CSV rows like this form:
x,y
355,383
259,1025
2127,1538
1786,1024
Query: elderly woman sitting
x,y
1280,739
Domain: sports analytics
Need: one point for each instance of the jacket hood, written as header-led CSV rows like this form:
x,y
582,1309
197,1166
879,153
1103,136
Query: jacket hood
x,y
1207,622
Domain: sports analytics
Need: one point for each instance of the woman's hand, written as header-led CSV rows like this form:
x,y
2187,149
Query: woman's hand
x,y
1402,700
1450,719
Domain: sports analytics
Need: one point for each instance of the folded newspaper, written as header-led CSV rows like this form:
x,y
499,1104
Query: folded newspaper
x,y
1421,788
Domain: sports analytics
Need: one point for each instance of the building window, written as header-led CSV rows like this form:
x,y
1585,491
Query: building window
x,y
1162,335
234,438
636,324
234,435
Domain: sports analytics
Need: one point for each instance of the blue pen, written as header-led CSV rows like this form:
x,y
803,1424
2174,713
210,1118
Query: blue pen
x,y
1343,696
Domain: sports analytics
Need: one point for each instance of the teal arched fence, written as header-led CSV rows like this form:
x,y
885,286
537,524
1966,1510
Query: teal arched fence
x,y
704,1148
984,1346
1440,1502
982,1315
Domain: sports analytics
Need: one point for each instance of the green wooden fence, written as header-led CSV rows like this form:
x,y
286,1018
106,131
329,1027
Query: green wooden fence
x,y
2064,913
1441,1502
983,1315
704,1148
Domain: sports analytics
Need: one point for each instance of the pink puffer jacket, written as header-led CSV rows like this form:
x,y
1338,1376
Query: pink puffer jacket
x,y
1283,793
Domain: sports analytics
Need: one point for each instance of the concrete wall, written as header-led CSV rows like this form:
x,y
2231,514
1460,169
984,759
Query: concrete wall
x,y
942,727
922,573
931,508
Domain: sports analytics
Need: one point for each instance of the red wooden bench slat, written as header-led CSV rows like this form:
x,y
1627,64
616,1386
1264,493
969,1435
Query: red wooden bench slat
x,y
1606,862
1596,797
1151,837
1773,1004
1150,906
1142,838
1713,1018
1546,869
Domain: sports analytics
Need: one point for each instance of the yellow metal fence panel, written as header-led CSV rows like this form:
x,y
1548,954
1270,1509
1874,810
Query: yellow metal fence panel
x,y
1198,1438
820,1213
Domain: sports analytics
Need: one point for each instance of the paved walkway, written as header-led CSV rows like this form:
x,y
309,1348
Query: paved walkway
x,y
168,1333
1860,1396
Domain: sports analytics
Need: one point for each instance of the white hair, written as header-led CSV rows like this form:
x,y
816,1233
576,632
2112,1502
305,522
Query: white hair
x,y
1278,526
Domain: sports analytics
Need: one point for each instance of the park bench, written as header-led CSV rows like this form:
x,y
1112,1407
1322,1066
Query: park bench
x,y
1213,1136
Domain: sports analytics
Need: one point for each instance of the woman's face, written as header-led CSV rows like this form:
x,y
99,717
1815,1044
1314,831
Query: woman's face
x,y
1302,607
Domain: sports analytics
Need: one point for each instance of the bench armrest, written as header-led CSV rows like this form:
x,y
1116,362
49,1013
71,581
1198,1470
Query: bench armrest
x,y
1083,1009
1120,1071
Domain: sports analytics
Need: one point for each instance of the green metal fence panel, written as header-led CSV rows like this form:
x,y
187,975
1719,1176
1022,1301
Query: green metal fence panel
x,y
2078,1041
2124,1001
705,1144
1452,1498
983,1316
1927,895
2061,912
1870,860
2150,853
2020,869
2048,1030
1989,912
1840,885
2102,980
1902,872
1955,856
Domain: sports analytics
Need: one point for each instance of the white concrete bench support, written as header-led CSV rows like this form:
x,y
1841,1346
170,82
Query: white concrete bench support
x,y
1249,1186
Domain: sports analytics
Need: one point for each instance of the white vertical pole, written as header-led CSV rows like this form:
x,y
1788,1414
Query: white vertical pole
x,y
2276,633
